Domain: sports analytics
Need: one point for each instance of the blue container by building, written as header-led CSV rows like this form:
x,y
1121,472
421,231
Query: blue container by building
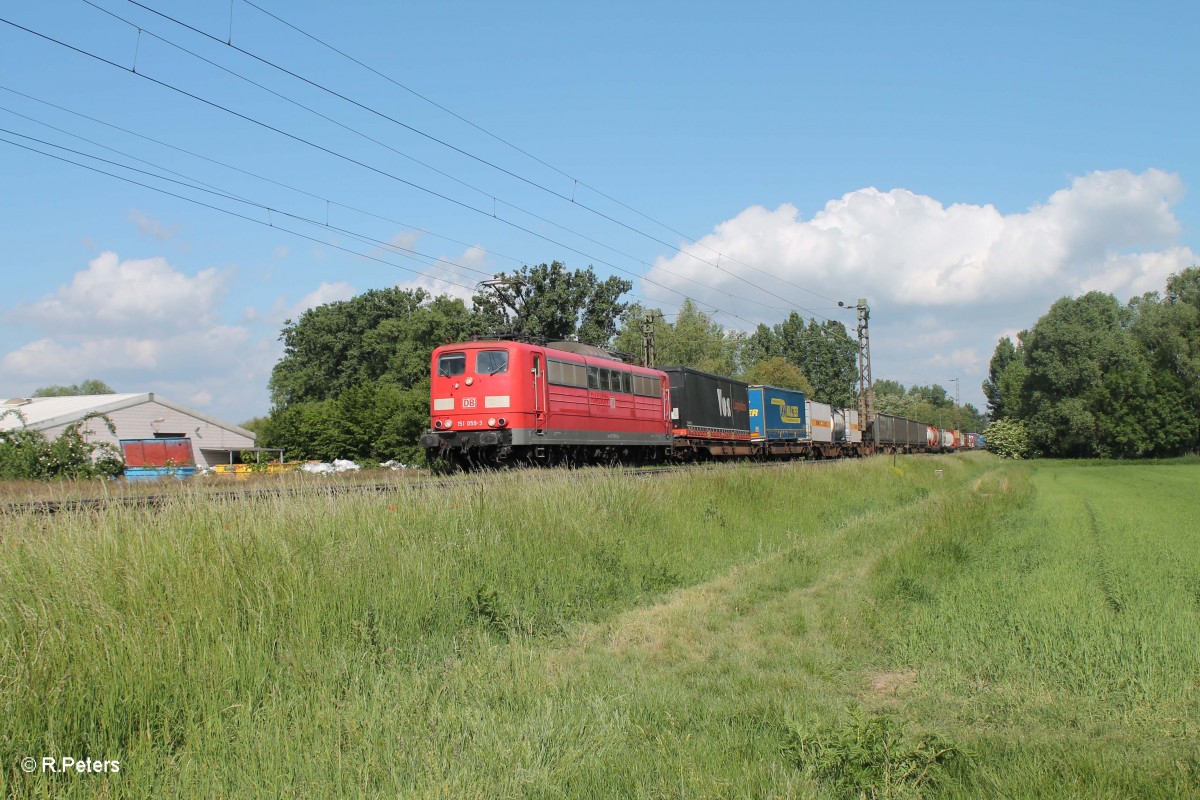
x,y
158,473
777,414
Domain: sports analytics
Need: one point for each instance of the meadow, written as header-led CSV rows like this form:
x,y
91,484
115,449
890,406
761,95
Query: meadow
x,y
861,629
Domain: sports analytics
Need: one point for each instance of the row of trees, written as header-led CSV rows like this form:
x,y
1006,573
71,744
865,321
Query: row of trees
x,y
1095,378
86,386
929,404
354,378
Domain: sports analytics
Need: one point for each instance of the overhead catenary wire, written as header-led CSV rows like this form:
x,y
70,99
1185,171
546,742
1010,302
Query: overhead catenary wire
x,y
576,182
384,173
195,184
248,218
495,199
424,259
365,212
234,168
442,142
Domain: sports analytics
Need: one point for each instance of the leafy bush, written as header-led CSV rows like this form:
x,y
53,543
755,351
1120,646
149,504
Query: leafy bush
x,y
28,455
869,757
1008,438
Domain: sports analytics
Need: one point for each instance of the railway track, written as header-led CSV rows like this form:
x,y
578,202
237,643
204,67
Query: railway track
x,y
155,501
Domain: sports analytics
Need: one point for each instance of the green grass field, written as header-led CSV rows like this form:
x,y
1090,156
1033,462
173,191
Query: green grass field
x,y
855,630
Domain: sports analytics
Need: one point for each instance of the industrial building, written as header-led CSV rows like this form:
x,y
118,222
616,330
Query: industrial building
x,y
136,416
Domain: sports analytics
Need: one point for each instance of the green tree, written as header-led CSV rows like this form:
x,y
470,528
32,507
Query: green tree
x,y
354,378
826,355
382,334
762,345
1169,331
375,421
84,387
891,398
551,302
780,372
1067,354
1092,387
693,339
994,388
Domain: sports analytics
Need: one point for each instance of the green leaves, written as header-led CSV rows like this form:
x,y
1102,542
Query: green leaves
x,y
869,756
29,455
1008,438
554,303
1094,378
354,378
86,386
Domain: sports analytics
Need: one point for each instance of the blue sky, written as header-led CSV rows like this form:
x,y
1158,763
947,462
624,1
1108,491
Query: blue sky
x,y
960,168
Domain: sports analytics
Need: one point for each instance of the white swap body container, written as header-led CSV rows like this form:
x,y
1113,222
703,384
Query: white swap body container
x,y
820,421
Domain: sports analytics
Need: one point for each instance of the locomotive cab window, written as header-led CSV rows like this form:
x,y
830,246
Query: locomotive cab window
x,y
491,362
451,364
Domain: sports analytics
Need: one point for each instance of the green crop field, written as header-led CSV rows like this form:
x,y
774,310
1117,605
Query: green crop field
x,y
852,630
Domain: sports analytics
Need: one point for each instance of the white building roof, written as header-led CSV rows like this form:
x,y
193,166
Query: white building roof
x,y
47,412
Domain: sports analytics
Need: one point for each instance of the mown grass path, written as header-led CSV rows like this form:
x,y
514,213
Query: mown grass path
x,y
1003,630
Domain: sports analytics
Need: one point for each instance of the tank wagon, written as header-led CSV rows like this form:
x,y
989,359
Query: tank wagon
x,y
495,402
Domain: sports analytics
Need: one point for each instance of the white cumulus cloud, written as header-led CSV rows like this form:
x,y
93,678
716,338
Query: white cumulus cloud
x,y
141,325
1111,229
941,279
130,296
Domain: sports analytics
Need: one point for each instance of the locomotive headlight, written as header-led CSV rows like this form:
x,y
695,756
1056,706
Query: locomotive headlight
x,y
449,422
500,422
437,423
491,422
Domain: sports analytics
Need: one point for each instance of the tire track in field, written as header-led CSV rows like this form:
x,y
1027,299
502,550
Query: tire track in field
x,y
676,622
1104,573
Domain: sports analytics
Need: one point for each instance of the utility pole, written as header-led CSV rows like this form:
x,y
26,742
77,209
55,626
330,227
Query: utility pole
x,y
866,387
957,406
648,354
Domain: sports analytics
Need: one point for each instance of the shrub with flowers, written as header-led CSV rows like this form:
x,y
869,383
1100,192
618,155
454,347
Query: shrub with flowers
x,y
28,455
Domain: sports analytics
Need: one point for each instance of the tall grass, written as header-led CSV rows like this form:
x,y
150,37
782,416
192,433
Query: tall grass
x,y
1063,639
853,630
223,644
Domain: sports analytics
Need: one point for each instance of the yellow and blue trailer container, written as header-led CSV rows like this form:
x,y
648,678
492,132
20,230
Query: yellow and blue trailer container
x,y
777,414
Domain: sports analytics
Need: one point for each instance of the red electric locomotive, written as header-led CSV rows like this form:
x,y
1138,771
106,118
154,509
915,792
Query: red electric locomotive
x,y
497,402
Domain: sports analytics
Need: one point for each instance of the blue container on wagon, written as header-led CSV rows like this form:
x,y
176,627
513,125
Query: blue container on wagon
x,y
777,414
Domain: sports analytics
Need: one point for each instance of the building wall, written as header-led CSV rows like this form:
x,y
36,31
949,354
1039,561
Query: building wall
x,y
138,422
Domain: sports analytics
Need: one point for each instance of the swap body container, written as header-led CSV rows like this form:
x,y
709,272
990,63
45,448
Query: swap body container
x,y
845,426
820,421
708,406
777,414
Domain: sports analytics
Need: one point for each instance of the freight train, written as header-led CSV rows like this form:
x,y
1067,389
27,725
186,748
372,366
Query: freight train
x,y
497,402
